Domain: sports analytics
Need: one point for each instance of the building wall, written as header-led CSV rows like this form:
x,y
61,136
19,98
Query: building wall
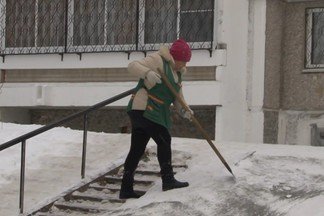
x,y
294,97
15,115
273,64
237,58
274,36
301,90
242,30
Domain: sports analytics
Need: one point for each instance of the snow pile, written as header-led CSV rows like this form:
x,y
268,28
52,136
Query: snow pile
x,y
270,179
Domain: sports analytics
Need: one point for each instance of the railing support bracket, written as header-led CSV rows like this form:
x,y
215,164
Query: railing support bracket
x,y
3,58
80,55
62,56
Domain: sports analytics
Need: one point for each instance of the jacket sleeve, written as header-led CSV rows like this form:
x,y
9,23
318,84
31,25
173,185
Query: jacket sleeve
x,y
177,104
139,68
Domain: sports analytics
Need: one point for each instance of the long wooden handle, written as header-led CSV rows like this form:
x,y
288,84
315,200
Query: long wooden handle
x,y
194,120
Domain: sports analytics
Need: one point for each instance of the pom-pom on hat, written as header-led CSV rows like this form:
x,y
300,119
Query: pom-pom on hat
x,y
180,51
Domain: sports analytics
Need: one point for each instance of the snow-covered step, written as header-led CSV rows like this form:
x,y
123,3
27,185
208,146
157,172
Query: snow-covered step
x,y
156,167
80,207
101,194
147,172
138,180
96,197
49,214
115,188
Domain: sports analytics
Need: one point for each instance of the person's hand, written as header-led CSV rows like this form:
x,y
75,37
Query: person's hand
x,y
187,114
153,78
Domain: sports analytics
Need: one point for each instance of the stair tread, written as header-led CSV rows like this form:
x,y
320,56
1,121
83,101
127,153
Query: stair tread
x,y
49,214
137,179
114,188
79,207
147,172
95,197
156,167
101,195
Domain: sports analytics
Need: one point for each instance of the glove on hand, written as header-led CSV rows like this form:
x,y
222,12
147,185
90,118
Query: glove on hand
x,y
153,78
187,114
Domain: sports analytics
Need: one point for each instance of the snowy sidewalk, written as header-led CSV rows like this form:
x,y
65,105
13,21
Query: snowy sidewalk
x,y
274,180
53,162
270,180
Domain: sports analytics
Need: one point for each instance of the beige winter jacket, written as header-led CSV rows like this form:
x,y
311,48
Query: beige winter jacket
x,y
140,68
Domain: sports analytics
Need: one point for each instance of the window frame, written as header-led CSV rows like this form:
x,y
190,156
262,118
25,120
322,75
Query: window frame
x,y
3,26
202,44
69,47
309,41
27,50
155,46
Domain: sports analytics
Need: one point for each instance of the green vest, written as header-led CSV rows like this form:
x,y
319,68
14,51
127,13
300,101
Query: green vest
x,y
159,98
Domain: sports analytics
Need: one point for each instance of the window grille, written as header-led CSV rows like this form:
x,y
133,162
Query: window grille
x,y
20,23
77,26
315,38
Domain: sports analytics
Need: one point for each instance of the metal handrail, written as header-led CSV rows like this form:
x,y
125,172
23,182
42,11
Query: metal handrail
x,y
45,128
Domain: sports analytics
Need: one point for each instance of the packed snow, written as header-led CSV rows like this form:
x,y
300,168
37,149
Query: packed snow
x,y
270,179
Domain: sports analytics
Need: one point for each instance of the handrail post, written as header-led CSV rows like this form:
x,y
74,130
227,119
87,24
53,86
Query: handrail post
x,y
22,176
84,147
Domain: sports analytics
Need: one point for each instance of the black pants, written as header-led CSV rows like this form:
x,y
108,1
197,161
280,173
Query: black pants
x,y
142,130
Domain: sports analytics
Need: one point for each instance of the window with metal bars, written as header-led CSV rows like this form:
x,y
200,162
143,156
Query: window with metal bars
x,y
315,38
33,23
73,26
103,25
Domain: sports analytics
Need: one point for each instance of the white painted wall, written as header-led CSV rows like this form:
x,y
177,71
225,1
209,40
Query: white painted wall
x,y
86,94
233,32
241,26
256,70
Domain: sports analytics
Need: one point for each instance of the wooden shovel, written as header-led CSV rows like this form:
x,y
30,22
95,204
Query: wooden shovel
x,y
194,120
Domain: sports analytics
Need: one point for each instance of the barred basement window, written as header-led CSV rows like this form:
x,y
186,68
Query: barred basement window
x,y
89,19
121,22
101,25
34,26
166,20
160,21
315,38
77,26
50,23
20,23
196,20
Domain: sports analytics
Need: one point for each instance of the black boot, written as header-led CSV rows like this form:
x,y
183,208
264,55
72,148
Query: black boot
x,y
169,183
126,190
168,180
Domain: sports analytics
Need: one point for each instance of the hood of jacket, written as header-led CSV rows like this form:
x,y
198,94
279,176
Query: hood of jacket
x,y
165,53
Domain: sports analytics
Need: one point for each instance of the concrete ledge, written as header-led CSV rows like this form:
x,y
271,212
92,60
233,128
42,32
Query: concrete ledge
x,y
93,75
87,94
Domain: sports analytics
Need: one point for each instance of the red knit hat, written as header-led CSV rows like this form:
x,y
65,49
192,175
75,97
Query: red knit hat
x,y
180,51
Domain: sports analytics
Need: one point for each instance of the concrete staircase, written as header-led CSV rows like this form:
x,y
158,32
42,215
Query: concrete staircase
x,y
101,194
